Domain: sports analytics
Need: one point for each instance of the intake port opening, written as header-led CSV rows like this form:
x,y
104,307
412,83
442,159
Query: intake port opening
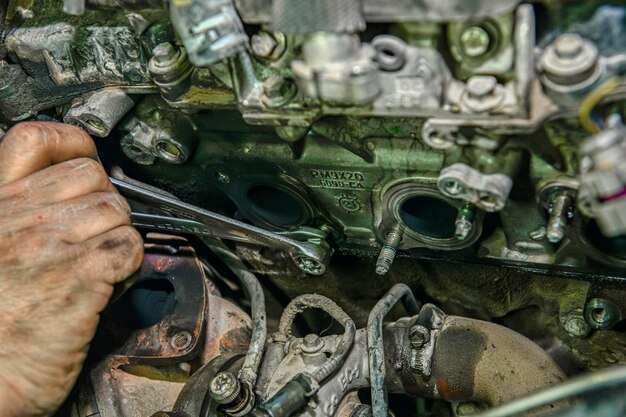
x,y
429,216
611,246
276,206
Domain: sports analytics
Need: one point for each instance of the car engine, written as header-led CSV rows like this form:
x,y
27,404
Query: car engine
x,y
351,208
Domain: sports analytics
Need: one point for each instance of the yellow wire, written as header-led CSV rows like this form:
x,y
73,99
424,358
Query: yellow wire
x,y
592,100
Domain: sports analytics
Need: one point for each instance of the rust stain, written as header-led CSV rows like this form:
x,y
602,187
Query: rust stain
x,y
162,264
450,392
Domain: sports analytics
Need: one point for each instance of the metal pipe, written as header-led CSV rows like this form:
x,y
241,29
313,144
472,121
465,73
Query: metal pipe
x,y
606,379
483,362
297,305
375,348
249,371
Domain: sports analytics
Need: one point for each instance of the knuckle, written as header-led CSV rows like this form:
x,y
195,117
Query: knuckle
x,y
25,134
91,170
136,246
28,128
127,246
133,238
116,203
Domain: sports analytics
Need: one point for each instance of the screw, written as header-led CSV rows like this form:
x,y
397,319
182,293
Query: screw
x,y
312,343
576,325
464,222
309,265
568,46
225,388
418,336
560,212
480,86
263,44
164,53
475,41
388,252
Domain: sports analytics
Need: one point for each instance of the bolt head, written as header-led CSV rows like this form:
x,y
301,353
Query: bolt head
x,y
418,336
224,387
576,325
164,52
263,44
475,41
312,343
481,86
273,86
309,265
568,46
462,229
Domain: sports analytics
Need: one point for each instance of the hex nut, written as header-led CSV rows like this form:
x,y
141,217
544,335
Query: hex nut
x,y
312,343
418,336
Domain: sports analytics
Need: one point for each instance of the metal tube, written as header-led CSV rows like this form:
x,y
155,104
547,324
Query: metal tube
x,y
336,312
375,348
583,385
249,371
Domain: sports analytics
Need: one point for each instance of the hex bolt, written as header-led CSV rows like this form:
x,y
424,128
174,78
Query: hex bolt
x,y
576,325
388,251
568,46
560,212
164,53
464,222
481,86
312,343
475,41
418,336
225,388
263,44
278,91
309,265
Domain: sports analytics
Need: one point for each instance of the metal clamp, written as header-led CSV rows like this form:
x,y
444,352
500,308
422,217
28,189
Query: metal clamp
x,y
487,192
311,256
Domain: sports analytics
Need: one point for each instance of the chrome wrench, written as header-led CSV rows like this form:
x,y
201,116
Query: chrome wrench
x,y
311,256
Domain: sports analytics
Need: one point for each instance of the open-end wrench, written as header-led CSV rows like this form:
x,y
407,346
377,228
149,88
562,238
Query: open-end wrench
x,y
310,256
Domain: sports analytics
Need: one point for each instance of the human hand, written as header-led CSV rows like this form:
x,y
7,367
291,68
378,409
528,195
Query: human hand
x,y
65,240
